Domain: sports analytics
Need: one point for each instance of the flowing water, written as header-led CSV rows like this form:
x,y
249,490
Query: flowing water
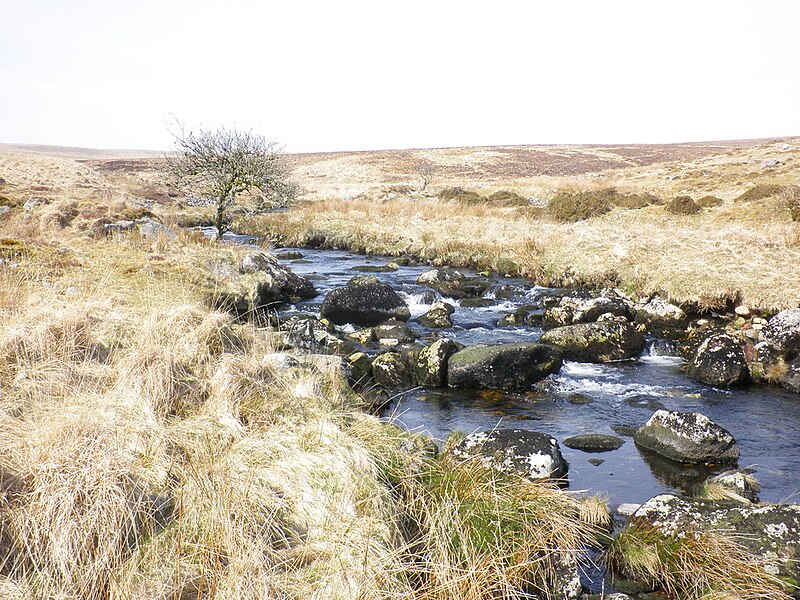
x,y
583,398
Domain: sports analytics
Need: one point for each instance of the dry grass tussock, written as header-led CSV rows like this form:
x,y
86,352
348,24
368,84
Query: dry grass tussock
x,y
694,565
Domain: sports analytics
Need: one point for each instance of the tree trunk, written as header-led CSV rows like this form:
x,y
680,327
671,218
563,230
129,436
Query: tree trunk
x,y
219,221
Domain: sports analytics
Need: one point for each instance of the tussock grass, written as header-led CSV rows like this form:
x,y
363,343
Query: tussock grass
x,y
683,205
760,192
692,564
490,535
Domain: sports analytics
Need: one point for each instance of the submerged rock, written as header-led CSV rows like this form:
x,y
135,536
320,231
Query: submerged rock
x,y
688,437
719,361
530,454
596,342
364,301
502,366
594,442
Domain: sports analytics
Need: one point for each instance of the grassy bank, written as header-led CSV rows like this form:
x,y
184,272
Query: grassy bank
x,y
734,252
149,449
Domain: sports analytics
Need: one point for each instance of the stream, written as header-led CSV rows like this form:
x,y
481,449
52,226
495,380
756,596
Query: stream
x,y
583,398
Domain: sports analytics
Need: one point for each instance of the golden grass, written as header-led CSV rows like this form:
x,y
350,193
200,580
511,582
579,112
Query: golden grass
x,y
695,565
705,259
149,451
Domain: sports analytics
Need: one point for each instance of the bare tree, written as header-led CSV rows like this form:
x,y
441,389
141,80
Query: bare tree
x,y
222,164
426,170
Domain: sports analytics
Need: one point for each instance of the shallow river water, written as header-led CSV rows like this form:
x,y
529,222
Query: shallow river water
x,y
615,398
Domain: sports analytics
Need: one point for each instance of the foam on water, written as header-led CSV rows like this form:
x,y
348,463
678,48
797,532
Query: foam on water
x,y
667,361
415,304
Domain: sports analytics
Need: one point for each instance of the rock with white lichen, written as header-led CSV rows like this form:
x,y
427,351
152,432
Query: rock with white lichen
x,y
438,316
783,332
430,367
770,531
660,317
530,454
453,283
687,437
603,341
719,361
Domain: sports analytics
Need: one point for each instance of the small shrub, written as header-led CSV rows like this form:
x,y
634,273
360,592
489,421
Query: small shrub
x,y
461,195
567,207
507,198
682,205
635,201
759,192
709,201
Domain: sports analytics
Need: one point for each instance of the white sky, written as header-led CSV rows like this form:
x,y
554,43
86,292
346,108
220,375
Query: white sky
x,y
376,74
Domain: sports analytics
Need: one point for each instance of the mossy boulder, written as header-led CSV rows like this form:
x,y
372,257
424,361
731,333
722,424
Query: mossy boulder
x,y
364,301
687,437
603,341
719,361
502,366
390,369
530,454
438,316
430,367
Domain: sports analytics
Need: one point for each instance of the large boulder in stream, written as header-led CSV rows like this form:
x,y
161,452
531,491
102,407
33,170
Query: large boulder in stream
x,y
430,367
603,341
661,318
364,301
260,282
453,283
687,437
783,332
502,366
391,370
719,361
438,316
570,311
530,454
770,531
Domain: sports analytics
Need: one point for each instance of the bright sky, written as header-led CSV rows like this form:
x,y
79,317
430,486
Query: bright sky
x,y
353,75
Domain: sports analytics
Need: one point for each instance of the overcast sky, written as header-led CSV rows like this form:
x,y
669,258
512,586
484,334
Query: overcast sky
x,y
367,75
